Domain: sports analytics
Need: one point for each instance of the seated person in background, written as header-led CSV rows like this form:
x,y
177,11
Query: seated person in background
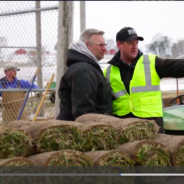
x,y
10,80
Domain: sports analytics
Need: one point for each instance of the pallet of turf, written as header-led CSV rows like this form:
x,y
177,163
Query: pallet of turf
x,y
110,158
53,135
17,161
98,136
175,144
15,143
18,165
149,156
130,129
21,124
65,161
112,162
61,158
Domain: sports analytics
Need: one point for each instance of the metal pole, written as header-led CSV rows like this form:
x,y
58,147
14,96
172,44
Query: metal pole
x,y
28,11
39,44
177,90
25,90
16,47
27,96
39,48
82,15
65,36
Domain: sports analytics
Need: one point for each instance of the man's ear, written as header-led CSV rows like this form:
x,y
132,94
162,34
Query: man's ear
x,y
87,44
119,44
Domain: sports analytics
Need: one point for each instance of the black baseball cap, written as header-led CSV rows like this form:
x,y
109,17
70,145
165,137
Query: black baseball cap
x,y
127,34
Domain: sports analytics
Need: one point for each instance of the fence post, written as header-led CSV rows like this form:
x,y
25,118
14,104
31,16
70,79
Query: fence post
x,y
39,44
39,49
82,16
65,36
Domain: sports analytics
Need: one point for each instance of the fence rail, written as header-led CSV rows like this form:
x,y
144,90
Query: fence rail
x,y
28,11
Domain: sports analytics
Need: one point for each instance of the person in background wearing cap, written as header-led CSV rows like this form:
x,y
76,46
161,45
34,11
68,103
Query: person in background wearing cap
x,y
83,88
135,79
10,80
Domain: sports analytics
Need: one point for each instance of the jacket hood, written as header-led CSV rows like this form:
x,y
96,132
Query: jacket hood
x,y
81,47
76,57
116,61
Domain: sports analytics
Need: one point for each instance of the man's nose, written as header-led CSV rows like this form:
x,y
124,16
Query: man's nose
x,y
104,48
135,46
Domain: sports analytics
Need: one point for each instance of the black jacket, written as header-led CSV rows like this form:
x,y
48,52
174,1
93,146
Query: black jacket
x,y
83,88
164,68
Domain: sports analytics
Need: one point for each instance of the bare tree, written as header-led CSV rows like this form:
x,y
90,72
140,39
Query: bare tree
x,y
174,50
181,46
178,48
160,45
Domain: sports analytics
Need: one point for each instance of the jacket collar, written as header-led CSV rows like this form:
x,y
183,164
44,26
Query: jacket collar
x,y
116,61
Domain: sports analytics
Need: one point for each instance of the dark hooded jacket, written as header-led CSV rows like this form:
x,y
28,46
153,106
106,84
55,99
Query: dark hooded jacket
x,y
164,68
83,88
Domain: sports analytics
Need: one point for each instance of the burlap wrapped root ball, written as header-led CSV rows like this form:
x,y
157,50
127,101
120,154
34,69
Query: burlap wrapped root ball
x,y
98,136
17,165
55,135
130,129
15,143
112,162
150,156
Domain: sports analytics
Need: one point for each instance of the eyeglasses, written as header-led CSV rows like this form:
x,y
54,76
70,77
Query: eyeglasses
x,y
99,44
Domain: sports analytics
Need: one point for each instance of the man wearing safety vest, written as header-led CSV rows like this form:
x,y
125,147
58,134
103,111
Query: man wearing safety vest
x,y
135,78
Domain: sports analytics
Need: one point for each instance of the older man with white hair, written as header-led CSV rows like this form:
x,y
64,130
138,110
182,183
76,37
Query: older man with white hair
x,y
83,88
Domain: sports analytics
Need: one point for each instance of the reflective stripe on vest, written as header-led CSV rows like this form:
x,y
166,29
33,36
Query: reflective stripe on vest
x,y
119,93
147,71
146,88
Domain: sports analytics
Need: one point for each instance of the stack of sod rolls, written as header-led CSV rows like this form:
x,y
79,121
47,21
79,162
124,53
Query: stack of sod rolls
x,y
52,135
113,162
148,154
15,143
98,136
175,144
129,129
60,135
102,141
17,165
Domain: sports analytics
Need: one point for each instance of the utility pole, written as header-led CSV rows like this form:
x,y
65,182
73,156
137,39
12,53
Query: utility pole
x,y
82,15
65,37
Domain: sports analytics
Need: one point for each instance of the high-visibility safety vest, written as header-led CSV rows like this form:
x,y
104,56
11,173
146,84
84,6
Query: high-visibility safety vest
x,y
144,99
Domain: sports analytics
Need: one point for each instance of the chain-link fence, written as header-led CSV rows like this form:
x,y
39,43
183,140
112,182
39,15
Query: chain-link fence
x,y
28,38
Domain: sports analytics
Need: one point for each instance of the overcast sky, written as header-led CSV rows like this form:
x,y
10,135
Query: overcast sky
x,y
147,17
